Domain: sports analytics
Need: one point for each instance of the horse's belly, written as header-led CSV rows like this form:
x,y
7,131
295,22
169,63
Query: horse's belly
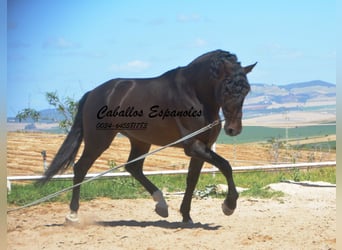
x,y
154,134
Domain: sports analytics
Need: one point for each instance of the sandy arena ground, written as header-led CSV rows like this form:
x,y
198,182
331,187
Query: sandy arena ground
x,y
304,219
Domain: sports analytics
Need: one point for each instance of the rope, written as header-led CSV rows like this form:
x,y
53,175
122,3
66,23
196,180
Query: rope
x,y
50,196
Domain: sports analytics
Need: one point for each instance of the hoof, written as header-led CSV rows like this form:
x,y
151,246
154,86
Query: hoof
x,y
188,222
72,218
161,206
162,210
226,210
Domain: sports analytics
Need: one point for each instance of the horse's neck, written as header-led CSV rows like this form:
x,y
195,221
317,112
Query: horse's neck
x,y
203,87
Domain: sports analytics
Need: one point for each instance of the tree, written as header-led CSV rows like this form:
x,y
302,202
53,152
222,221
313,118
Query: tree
x,y
67,108
28,113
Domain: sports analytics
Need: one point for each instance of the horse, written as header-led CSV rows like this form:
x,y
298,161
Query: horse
x,y
158,111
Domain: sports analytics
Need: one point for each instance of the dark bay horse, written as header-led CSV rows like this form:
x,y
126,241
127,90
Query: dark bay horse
x,y
159,111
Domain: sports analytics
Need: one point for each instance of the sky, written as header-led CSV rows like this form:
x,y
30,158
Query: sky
x,y
73,46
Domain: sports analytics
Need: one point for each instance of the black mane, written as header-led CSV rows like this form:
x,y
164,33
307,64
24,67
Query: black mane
x,y
216,55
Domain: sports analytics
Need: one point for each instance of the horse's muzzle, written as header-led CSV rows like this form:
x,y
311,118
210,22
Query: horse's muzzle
x,y
231,131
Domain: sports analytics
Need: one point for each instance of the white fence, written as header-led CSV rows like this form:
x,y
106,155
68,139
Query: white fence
x,y
275,167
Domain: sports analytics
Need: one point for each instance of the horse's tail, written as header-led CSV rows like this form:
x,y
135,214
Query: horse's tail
x,y
67,152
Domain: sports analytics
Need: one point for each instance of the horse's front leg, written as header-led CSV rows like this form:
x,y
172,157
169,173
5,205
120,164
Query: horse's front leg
x,y
191,181
200,151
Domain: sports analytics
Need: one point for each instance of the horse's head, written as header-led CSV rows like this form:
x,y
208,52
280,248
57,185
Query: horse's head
x,y
231,89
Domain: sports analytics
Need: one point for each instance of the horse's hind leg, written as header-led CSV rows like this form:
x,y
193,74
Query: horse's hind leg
x,y
92,150
135,169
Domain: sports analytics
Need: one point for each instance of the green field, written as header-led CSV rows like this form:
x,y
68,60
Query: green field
x,y
259,133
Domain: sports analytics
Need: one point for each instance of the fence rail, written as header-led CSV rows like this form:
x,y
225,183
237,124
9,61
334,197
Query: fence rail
x,y
275,167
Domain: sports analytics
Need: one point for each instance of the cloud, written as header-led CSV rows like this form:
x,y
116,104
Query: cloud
x,y
133,20
330,55
156,21
188,18
59,43
134,66
151,22
199,42
85,54
195,43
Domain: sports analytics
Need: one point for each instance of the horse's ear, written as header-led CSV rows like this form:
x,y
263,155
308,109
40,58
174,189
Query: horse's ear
x,y
249,68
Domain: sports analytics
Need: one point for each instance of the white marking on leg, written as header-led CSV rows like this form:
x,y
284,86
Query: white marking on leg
x,y
72,217
161,206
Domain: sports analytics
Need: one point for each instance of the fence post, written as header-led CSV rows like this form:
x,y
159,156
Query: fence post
x,y
43,153
8,186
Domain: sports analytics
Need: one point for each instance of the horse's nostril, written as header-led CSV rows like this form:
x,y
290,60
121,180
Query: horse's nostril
x,y
229,131
232,131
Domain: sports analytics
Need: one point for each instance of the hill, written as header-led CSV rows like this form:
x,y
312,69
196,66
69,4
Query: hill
x,y
311,96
